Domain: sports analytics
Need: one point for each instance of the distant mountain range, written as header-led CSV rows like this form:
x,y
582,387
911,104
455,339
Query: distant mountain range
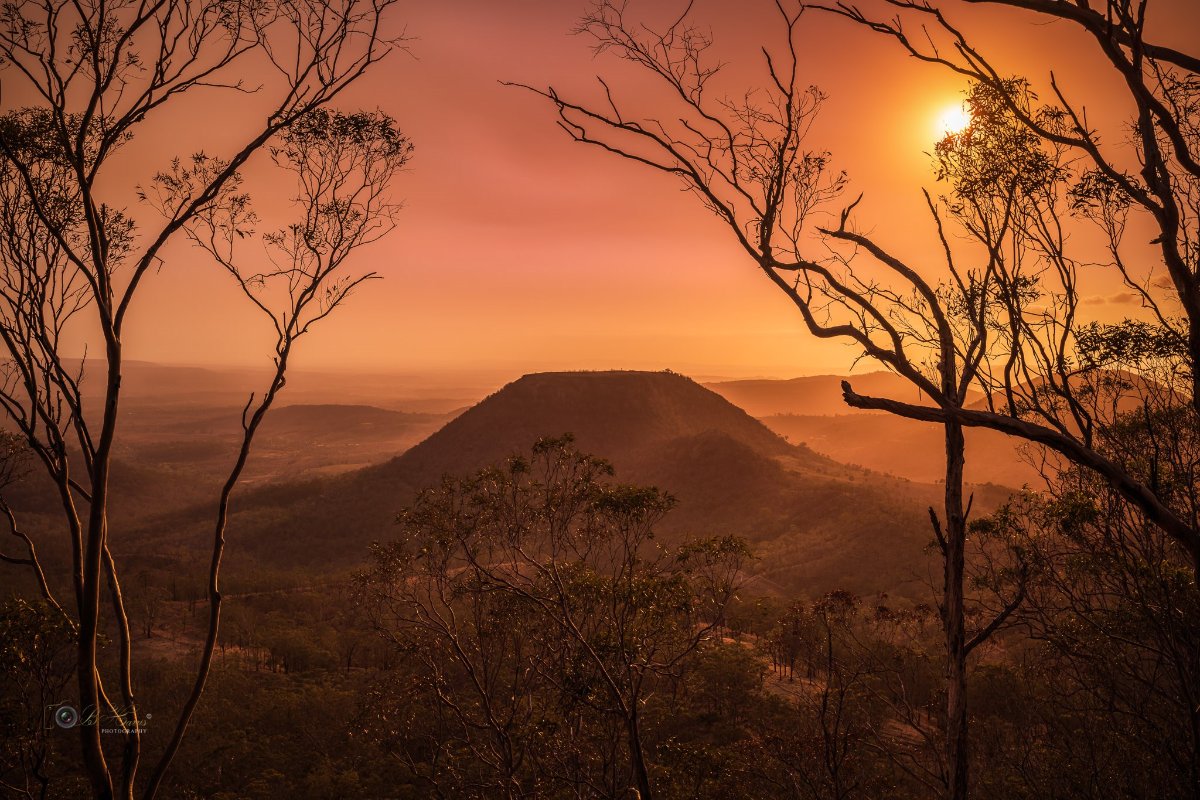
x,y
813,395
811,411
164,385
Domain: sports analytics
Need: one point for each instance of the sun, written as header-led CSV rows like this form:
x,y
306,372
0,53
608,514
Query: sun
x,y
953,120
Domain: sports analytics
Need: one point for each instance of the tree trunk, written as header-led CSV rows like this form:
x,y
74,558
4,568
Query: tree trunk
x,y
641,775
952,616
90,700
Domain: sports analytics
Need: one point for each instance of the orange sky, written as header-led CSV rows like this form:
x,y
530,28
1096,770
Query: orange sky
x,y
519,250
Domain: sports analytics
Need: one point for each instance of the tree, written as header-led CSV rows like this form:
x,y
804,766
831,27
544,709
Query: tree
x,y
1014,188
96,72
543,614
1047,392
148,602
14,465
827,754
1111,610
745,158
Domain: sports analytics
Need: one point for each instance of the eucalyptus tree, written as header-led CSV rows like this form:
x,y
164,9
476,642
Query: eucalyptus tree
x,y
999,313
93,76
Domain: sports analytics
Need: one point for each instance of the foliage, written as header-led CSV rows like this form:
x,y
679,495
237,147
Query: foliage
x,y
540,614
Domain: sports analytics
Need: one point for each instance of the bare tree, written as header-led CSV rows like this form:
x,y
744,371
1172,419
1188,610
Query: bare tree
x,y
96,72
835,702
1049,395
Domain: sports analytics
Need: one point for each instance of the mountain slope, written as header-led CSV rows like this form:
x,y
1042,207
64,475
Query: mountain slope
x,y
815,395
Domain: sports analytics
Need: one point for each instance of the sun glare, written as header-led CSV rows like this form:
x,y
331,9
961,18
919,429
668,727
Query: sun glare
x,y
954,119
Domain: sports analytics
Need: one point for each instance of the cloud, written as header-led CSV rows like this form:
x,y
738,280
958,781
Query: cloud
x,y
1118,299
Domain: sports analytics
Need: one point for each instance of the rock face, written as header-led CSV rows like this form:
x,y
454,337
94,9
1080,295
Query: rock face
x,y
817,524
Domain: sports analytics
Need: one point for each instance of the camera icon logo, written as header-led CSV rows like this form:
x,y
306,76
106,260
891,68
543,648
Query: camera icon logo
x,y
66,717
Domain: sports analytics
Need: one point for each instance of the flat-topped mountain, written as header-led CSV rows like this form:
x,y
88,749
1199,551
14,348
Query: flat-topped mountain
x,y
622,416
816,524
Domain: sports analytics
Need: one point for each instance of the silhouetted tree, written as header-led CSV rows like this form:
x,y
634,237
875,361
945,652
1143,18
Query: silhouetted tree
x,y
746,160
95,73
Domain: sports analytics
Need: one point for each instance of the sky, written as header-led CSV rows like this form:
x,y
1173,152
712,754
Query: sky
x,y
519,250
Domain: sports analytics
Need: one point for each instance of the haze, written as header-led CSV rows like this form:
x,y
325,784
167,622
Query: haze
x,y
520,251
